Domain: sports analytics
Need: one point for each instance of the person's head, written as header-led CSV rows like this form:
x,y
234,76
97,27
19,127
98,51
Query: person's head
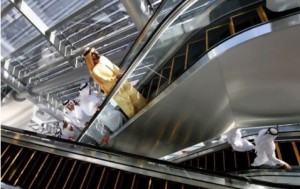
x,y
84,89
70,105
93,53
272,131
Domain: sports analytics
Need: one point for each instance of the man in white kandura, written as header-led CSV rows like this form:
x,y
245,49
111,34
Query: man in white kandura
x,y
90,103
265,149
234,137
68,131
75,115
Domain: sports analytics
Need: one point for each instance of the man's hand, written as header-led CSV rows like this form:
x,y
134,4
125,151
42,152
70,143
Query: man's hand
x,y
65,124
105,140
287,167
119,76
98,108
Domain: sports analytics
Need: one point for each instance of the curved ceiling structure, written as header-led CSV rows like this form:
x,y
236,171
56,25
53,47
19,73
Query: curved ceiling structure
x,y
251,79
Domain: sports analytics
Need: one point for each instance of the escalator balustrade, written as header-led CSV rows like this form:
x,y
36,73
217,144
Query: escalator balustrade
x,y
204,40
28,168
228,160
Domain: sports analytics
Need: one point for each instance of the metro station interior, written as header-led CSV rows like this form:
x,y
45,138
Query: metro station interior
x,y
205,69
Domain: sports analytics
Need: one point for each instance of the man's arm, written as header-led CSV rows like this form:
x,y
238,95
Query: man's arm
x,y
271,156
100,75
112,66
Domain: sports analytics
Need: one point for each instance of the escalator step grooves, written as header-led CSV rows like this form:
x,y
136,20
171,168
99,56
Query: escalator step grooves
x,y
287,153
34,169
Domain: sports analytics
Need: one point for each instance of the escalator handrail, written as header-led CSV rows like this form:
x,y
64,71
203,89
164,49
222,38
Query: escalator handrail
x,y
222,143
148,159
143,33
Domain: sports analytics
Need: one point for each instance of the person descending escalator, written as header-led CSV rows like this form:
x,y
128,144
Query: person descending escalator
x,y
265,149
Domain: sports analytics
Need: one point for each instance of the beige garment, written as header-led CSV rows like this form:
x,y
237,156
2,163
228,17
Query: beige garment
x,y
105,74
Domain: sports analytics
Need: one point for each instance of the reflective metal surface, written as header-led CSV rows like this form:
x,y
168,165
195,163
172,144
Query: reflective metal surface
x,y
289,132
133,164
231,86
177,16
275,176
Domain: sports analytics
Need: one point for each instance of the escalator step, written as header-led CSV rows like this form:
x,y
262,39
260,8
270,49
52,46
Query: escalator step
x,y
126,180
12,164
153,87
8,156
19,167
219,160
177,67
194,50
3,147
210,162
157,183
245,20
242,161
51,178
287,153
202,162
33,170
141,182
24,171
46,172
174,185
229,160
110,179
95,179
60,179
216,34
195,162
297,146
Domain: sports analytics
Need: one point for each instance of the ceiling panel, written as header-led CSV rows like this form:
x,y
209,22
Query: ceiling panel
x,y
16,30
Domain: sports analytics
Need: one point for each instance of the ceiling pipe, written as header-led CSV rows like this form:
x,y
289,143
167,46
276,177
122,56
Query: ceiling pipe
x,y
39,101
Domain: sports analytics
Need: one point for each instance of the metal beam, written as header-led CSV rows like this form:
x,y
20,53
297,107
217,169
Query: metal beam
x,y
54,27
138,11
6,9
73,15
36,21
37,100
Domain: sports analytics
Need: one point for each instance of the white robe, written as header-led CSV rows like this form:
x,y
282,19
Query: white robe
x,y
238,143
89,102
109,116
76,117
265,150
66,133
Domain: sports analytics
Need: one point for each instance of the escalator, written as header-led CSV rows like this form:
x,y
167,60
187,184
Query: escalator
x,y
177,48
36,161
228,160
44,163
224,26
28,168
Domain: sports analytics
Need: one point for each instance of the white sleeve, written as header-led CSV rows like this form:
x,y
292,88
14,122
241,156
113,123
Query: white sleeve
x,y
271,156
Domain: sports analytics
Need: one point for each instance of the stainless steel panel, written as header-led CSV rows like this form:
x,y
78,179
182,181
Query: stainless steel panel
x,y
251,79
196,110
263,84
126,163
